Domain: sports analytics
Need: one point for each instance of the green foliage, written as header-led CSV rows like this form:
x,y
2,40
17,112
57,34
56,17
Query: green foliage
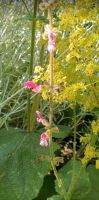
x,y
64,131
55,198
21,167
66,176
76,59
94,179
88,188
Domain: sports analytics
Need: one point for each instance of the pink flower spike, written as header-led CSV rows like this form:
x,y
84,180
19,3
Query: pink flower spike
x,y
51,36
30,84
44,139
51,42
51,47
41,119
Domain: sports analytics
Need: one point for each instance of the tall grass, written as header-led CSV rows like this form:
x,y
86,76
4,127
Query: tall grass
x,y
15,60
15,34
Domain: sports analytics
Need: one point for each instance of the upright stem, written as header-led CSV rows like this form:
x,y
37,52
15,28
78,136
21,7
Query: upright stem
x,y
51,84
32,58
51,74
51,87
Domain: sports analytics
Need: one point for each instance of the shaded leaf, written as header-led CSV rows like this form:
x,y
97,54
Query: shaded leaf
x,y
21,174
94,179
47,191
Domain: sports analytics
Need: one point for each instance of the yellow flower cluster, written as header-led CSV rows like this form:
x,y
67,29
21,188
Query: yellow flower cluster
x,y
89,153
38,72
85,139
75,61
95,127
89,69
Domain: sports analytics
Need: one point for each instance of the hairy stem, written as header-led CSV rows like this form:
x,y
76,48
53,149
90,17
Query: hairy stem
x,y
51,74
59,181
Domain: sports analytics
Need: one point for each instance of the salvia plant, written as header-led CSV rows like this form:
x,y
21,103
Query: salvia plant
x,y
33,167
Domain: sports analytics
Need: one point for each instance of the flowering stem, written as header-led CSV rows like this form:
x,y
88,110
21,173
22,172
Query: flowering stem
x,y
51,74
59,181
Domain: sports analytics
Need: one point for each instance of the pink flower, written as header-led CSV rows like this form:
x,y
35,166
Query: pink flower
x,y
30,84
33,86
41,119
51,42
51,36
38,88
44,139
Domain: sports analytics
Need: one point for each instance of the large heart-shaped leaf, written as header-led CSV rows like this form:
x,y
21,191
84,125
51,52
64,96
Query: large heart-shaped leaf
x,y
21,168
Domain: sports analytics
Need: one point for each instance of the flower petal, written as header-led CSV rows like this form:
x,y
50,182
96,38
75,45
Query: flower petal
x,y
30,84
44,139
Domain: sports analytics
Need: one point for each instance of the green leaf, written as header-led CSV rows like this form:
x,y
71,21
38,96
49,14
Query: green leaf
x,y
21,170
66,175
55,197
94,179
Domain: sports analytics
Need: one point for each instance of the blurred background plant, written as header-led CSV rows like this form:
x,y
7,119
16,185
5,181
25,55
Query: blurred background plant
x,y
15,43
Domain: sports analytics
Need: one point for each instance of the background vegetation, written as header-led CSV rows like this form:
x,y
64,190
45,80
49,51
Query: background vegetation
x,y
76,94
